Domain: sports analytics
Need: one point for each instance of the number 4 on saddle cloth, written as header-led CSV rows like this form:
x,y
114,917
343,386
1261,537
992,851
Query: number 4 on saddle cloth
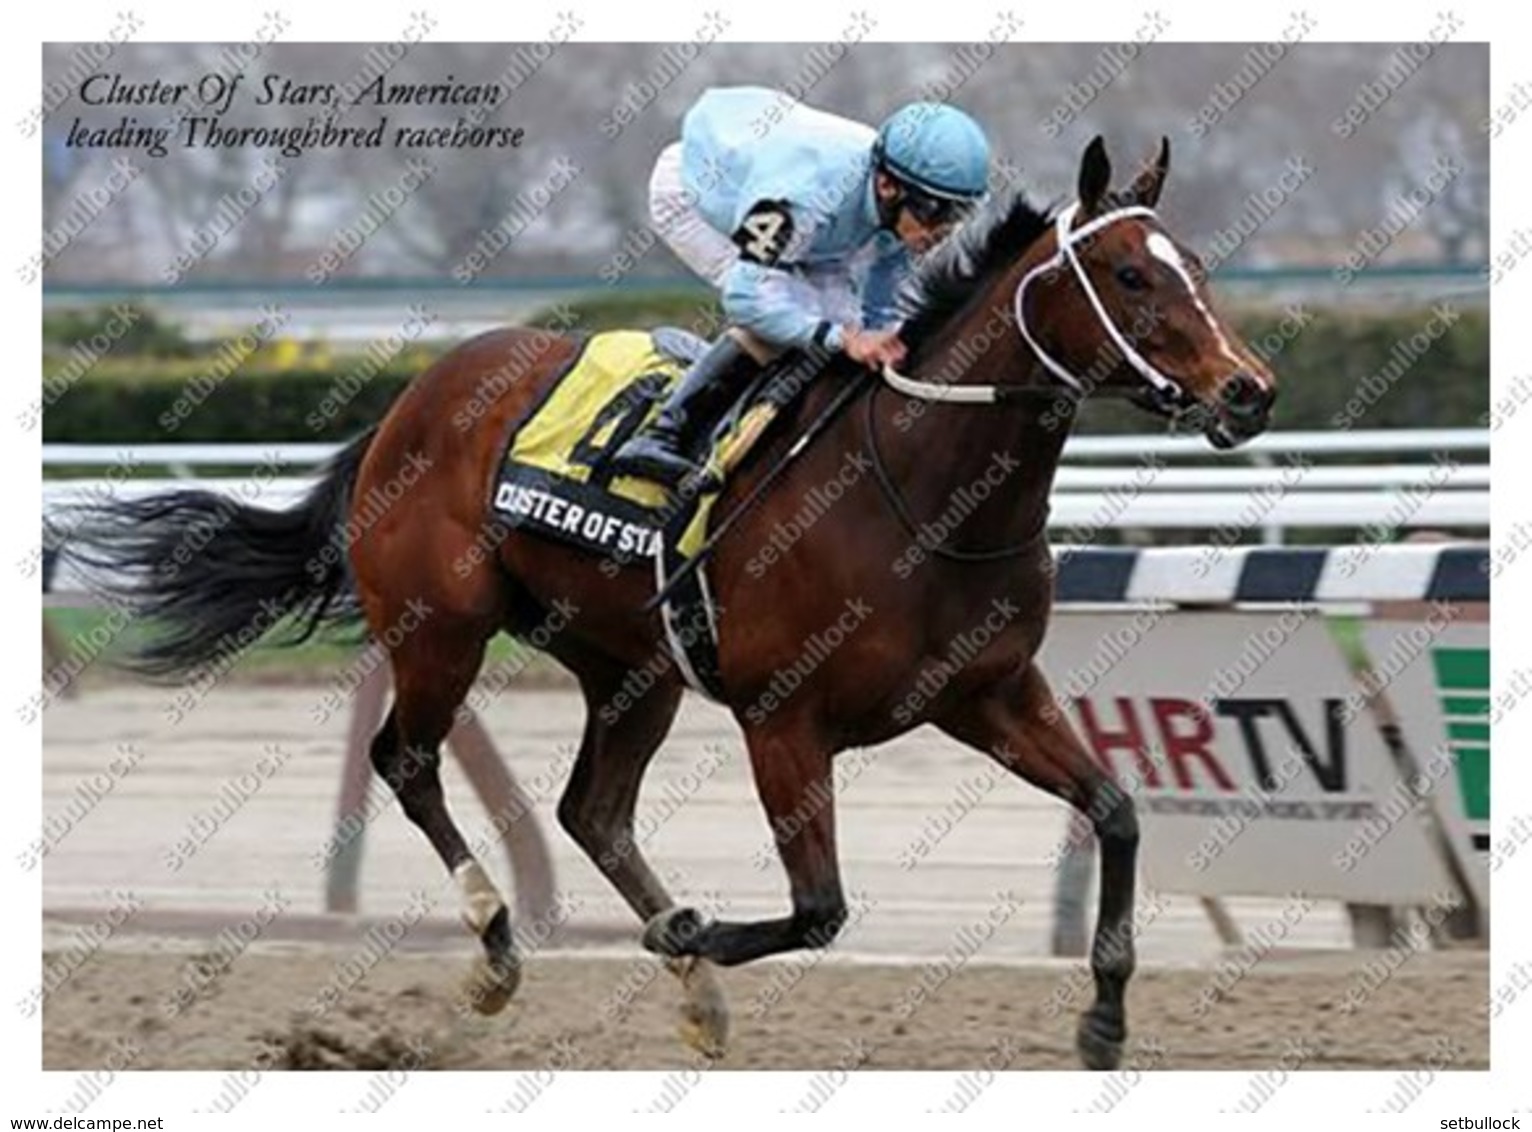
x,y
556,480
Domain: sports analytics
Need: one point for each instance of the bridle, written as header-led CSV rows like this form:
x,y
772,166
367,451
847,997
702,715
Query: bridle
x,y
1164,394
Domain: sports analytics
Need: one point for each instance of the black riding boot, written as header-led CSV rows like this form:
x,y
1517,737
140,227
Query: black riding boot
x,y
667,450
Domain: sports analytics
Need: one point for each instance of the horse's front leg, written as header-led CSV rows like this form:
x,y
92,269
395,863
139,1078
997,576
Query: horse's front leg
x,y
791,764
1019,725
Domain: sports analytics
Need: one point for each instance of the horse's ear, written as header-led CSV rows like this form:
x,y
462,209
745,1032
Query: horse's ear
x,y
1095,176
1148,184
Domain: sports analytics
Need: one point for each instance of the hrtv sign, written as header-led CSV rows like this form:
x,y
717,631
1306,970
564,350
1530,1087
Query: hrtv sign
x,y
1230,751
1196,740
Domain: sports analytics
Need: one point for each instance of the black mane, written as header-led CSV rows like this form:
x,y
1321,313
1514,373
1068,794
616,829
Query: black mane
x,y
987,244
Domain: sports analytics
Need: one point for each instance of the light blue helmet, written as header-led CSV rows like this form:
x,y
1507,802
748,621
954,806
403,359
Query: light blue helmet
x,y
936,149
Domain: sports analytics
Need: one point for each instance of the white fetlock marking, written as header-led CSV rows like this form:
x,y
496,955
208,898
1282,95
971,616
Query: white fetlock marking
x,y
481,900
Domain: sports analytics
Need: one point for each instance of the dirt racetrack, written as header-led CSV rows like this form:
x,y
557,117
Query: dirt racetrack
x,y
569,1014
911,984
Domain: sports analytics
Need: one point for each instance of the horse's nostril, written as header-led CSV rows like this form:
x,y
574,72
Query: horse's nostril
x,y
1239,390
1247,396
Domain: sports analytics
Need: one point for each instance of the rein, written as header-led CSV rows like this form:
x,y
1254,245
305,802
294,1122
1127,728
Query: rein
x,y
901,509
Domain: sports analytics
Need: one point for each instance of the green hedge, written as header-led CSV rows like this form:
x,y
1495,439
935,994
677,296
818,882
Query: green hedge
x,y
130,400
129,328
154,402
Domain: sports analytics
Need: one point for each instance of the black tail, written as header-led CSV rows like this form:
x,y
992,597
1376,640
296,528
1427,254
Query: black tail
x,y
210,575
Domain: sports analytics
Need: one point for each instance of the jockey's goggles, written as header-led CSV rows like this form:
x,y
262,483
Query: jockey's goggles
x,y
933,211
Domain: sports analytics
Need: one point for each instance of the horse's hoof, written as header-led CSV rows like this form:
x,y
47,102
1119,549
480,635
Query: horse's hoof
x,y
704,1029
704,1015
1099,1048
490,985
674,932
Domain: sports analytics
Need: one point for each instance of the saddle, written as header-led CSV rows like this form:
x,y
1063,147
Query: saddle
x,y
556,480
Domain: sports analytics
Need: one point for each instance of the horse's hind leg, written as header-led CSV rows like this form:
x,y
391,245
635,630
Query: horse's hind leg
x,y
435,662
1019,725
622,733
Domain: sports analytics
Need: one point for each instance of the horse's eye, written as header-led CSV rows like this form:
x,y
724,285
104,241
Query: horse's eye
x,y
1132,278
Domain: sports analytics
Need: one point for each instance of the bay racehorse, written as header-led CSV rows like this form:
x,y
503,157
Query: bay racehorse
x,y
1024,315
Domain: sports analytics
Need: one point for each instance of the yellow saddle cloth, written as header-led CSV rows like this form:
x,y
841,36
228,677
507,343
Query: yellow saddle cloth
x,y
556,477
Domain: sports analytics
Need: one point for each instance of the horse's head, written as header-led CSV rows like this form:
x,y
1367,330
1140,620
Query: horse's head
x,y
1116,303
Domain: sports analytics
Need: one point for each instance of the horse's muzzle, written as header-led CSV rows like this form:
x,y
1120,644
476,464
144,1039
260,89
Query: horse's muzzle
x,y
1243,412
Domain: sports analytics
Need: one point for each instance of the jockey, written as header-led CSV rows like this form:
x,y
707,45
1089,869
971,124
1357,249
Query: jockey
x,y
806,223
